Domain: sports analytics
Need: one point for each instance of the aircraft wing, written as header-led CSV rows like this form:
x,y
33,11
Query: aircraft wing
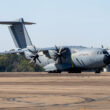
x,y
22,51
44,49
12,52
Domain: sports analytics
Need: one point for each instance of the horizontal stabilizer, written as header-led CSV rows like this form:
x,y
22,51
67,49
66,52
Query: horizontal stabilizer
x,y
15,22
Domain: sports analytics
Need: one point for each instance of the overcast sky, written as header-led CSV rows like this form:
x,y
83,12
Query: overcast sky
x,y
59,22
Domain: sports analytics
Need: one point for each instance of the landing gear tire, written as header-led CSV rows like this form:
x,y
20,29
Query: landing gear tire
x,y
98,71
78,72
58,71
50,72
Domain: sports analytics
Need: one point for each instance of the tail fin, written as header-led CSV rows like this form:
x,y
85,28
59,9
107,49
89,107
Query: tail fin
x,y
19,33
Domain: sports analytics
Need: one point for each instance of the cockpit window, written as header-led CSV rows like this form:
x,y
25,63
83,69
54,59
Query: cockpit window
x,y
102,52
105,52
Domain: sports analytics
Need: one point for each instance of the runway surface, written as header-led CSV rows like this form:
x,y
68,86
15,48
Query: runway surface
x,y
42,91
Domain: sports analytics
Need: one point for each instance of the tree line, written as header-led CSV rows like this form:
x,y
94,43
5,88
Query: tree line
x,y
17,63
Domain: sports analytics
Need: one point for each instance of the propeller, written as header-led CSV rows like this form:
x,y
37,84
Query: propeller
x,y
59,54
35,55
102,46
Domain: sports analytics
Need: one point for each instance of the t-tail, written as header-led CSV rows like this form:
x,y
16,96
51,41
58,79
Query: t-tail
x,y
22,40
19,33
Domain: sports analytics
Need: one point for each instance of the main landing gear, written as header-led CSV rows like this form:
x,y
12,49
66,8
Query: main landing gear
x,y
97,71
78,71
58,71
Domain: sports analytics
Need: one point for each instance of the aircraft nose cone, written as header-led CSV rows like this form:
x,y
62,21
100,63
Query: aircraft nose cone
x,y
107,59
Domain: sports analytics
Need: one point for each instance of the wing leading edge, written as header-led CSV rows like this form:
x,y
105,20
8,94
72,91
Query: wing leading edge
x,y
12,52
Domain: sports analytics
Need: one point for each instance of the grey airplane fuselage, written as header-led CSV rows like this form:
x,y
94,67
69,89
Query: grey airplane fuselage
x,y
77,57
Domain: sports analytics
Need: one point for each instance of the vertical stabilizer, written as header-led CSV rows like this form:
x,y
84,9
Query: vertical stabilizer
x,y
19,33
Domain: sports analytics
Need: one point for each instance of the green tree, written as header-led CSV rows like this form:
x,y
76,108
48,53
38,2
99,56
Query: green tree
x,y
16,63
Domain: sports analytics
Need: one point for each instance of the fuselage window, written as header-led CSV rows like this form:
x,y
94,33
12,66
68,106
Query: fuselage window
x,y
99,52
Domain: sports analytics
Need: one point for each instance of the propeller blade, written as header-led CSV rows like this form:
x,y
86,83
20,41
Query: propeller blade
x,y
56,62
31,61
31,51
56,48
60,49
63,51
39,51
35,49
102,46
38,60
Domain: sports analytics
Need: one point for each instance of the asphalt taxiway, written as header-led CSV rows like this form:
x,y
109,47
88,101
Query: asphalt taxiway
x,y
42,91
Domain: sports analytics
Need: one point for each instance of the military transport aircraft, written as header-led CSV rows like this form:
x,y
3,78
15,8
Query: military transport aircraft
x,y
73,59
